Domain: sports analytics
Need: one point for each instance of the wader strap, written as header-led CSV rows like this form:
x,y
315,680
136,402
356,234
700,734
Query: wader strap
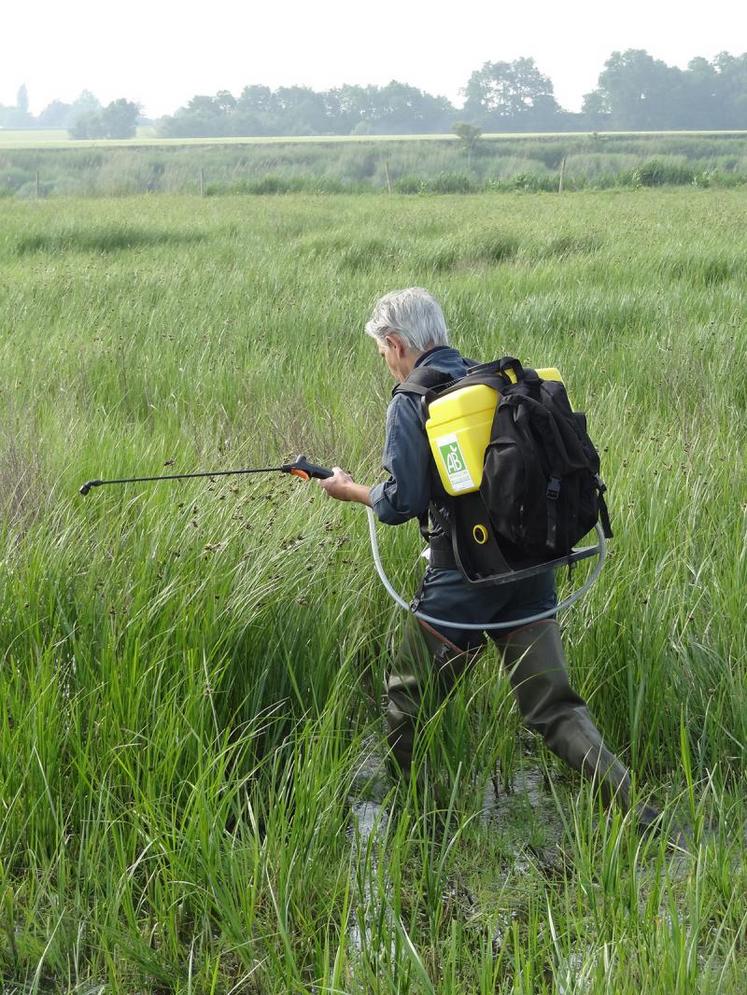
x,y
442,556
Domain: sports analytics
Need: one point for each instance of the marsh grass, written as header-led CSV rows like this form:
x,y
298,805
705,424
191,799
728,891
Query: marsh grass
x,y
433,164
191,672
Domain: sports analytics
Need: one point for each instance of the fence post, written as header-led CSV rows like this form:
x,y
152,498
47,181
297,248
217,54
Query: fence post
x,y
202,182
561,181
386,173
36,181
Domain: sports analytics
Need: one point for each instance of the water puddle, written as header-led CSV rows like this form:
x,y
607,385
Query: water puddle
x,y
370,821
526,815
528,787
368,830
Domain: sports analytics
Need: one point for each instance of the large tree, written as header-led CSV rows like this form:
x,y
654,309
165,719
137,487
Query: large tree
x,y
504,92
731,73
637,91
701,104
119,119
398,108
353,108
253,114
55,115
203,117
87,125
86,101
300,111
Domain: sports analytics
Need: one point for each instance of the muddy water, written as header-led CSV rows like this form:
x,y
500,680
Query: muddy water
x,y
368,829
529,802
370,820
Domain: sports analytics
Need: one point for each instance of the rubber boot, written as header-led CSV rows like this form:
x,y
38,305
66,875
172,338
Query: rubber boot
x,y
537,670
424,664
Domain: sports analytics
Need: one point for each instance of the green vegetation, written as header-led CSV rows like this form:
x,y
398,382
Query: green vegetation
x,y
442,164
190,673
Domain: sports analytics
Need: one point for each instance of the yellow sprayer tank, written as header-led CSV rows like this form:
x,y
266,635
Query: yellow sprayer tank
x,y
458,429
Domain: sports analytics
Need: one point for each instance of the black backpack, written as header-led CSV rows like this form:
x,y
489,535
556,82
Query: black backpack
x,y
541,491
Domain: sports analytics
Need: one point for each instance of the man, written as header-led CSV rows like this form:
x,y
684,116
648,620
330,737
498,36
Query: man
x,y
409,330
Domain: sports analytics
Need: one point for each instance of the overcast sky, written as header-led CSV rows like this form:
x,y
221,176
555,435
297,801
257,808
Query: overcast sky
x,y
161,52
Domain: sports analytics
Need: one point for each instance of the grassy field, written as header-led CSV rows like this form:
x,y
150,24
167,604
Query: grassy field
x,y
399,164
191,672
25,138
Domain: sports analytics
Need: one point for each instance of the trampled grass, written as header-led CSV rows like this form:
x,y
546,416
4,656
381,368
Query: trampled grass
x,y
190,672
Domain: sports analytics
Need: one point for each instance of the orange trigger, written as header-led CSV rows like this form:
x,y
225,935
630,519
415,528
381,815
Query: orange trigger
x,y
301,473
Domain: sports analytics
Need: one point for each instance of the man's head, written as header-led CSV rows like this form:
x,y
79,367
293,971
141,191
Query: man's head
x,y
405,324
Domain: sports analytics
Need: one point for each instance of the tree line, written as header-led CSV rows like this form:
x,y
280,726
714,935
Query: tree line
x,y
634,92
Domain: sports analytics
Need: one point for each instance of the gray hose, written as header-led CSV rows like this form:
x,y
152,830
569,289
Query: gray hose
x,y
479,626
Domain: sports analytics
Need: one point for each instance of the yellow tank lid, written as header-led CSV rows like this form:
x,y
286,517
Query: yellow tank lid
x,y
461,404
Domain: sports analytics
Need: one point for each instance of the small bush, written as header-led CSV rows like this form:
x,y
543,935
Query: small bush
x,y
451,183
409,184
657,173
270,184
532,182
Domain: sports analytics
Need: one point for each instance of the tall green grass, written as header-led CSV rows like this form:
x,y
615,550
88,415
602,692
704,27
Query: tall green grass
x,y
432,164
190,672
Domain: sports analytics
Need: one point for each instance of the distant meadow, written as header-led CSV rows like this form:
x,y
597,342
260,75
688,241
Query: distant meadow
x,y
41,164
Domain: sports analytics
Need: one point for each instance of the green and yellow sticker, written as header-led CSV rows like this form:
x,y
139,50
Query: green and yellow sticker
x,y
454,463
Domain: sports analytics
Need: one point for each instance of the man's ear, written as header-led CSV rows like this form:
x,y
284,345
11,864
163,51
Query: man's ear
x,y
395,342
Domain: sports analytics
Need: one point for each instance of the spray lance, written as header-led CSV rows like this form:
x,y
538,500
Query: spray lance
x,y
300,467
305,470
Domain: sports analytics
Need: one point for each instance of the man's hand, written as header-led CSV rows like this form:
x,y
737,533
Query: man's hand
x,y
342,487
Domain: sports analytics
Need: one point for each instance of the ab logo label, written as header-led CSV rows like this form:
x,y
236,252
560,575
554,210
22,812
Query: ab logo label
x,y
454,463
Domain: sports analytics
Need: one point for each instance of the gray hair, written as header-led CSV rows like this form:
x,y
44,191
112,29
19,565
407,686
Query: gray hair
x,y
414,314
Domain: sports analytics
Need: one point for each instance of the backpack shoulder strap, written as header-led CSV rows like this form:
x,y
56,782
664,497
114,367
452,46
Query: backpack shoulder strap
x,y
422,380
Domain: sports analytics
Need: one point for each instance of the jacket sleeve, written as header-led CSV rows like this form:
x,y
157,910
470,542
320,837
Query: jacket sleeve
x,y
406,493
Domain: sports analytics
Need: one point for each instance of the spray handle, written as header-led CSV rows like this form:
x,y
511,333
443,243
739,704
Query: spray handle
x,y
305,470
